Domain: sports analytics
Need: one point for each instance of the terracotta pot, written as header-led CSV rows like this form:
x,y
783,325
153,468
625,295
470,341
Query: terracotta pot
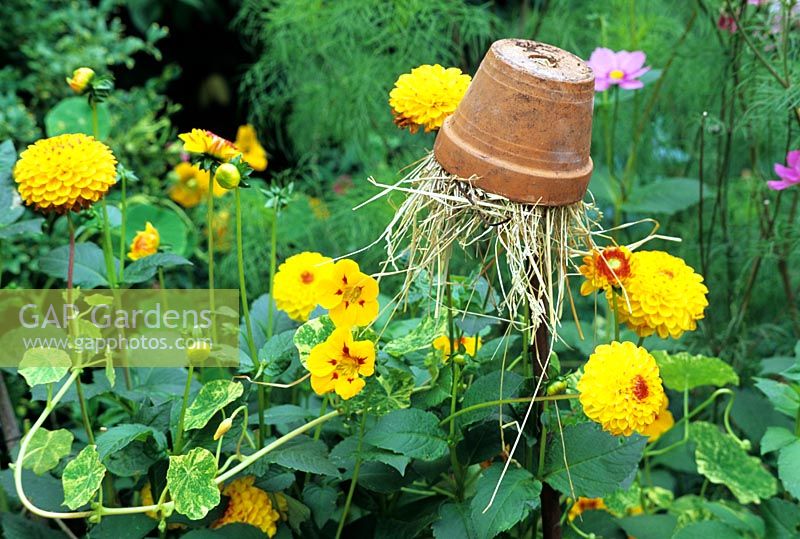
x,y
524,127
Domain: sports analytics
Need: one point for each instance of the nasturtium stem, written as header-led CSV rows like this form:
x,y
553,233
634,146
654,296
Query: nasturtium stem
x,y
616,315
187,388
354,479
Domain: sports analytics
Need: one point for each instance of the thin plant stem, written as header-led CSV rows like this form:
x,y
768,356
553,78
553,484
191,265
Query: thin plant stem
x,y
108,256
263,396
616,315
451,332
354,479
517,400
251,344
84,412
123,207
210,233
187,388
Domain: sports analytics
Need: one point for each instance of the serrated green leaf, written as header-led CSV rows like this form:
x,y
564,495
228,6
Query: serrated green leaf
x,y
89,269
775,438
82,478
781,519
44,365
409,432
650,526
597,462
22,527
346,451
277,354
789,468
322,502
455,520
494,386
311,334
190,480
723,461
705,529
146,268
420,337
682,371
46,449
304,454
119,437
517,496
785,399
212,397
134,526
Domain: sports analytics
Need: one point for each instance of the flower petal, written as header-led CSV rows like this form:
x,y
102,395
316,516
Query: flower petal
x,y
631,84
631,61
602,61
787,174
793,159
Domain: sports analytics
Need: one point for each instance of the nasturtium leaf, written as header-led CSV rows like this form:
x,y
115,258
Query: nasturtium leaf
x,y
782,396
737,517
44,365
789,468
781,519
410,432
775,438
146,268
212,397
46,448
190,480
494,386
74,115
517,496
89,269
304,454
722,460
455,520
134,526
119,437
345,453
170,222
682,371
391,390
705,529
597,463
650,526
311,334
322,502
82,477
418,338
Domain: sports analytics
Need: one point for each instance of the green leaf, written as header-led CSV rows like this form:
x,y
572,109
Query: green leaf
x,y
212,398
74,115
311,334
666,196
723,461
41,366
781,519
455,520
128,526
346,451
322,502
597,462
389,391
89,268
304,454
82,478
517,496
283,414
119,437
785,399
21,527
649,526
277,354
705,529
171,225
146,268
789,468
46,449
29,227
488,388
410,432
775,438
419,338
682,371
190,480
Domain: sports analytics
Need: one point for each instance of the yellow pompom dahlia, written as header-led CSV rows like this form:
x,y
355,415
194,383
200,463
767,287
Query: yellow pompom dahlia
x,y
426,96
296,283
339,363
663,422
665,295
192,186
250,505
350,296
145,243
253,152
621,388
65,173
605,269
202,141
582,505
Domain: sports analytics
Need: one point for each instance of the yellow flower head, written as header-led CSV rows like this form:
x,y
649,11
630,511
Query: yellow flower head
x,y
338,364
621,388
605,269
582,505
296,283
666,296
253,152
205,142
426,96
350,296
80,79
250,505
220,225
65,173
663,422
192,186
145,243
471,345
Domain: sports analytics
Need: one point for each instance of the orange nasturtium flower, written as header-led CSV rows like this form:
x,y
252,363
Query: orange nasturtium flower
x,y
605,269
145,243
202,141
582,505
253,152
350,296
339,363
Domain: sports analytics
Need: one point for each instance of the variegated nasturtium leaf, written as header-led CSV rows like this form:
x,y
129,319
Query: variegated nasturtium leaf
x,y
312,333
190,480
82,477
418,338
683,371
212,397
44,365
722,460
46,448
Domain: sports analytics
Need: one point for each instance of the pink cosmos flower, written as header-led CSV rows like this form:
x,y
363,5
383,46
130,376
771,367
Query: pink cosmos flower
x,y
790,175
622,68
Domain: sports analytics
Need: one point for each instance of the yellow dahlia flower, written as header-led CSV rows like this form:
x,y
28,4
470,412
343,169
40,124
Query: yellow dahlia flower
x,y
296,283
80,79
663,422
666,296
338,364
145,243
582,505
65,173
605,269
250,505
192,186
621,388
426,96
350,296
220,227
253,152
205,142
471,345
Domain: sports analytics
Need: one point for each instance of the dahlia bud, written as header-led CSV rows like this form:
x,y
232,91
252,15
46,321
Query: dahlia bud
x,y
80,79
198,352
223,428
228,176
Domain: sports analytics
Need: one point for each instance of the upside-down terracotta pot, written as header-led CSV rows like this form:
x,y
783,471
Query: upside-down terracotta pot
x,y
524,128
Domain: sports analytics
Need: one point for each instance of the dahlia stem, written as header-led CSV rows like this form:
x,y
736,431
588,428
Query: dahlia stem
x,y
263,395
616,315
251,344
354,479
107,249
210,230
123,208
451,335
